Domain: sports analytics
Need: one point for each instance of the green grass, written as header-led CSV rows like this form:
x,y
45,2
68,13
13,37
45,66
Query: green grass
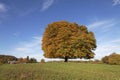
x,y
59,71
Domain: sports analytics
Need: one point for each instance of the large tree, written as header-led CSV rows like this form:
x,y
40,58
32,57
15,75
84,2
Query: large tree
x,y
68,40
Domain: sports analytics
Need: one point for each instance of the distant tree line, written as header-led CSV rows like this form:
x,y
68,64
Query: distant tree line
x,y
26,60
8,59
113,58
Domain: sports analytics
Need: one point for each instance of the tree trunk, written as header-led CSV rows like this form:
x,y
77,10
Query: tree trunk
x,y
66,59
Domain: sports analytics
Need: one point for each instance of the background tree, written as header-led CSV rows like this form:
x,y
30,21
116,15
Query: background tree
x,y
27,58
42,61
6,58
113,58
68,40
20,60
32,60
105,59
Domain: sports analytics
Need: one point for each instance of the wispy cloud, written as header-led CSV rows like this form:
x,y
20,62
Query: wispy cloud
x,y
3,8
31,48
106,49
103,25
106,44
46,4
116,2
116,41
3,12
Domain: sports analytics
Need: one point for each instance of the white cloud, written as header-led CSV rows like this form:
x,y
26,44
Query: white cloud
x,y
46,4
23,50
31,49
107,47
104,24
104,50
106,44
116,2
116,41
2,8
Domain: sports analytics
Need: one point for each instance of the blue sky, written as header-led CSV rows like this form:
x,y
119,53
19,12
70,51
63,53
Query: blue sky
x,y
22,23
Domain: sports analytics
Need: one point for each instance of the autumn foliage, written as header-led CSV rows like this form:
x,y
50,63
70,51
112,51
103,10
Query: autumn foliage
x,y
113,58
68,40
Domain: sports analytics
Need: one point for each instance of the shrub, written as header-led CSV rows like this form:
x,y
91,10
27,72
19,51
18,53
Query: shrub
x,y
112,59
42,61
105,59
32,60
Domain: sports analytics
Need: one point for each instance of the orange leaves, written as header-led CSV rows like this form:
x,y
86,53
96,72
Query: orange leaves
x,y
62,39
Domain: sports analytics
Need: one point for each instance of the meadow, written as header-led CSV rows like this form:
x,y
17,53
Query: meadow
x,y
59,71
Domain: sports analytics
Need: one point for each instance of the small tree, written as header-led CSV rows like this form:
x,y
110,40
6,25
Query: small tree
x,y
20,60
32,60
68,40
42,61
105,59
113,58
27,58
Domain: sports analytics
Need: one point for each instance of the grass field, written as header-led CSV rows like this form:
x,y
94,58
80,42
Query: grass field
x,y
59,71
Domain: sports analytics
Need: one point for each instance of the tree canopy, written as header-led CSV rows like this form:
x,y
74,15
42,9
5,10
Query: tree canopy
x,y
68,40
